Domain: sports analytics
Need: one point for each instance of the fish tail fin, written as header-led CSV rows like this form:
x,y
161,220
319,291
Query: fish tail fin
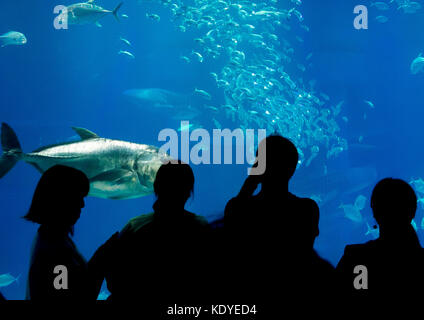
x,y
115,12
12,151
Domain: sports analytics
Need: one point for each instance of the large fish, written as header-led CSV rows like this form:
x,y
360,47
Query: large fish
x,y
158,98
87,12
334,184
180,106
116,169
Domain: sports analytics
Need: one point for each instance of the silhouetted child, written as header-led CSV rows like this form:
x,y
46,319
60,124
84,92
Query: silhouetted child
x,y
160,257
270,235
56,206
395,261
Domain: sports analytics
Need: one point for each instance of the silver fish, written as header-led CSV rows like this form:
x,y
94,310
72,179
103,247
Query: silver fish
x,y
87,13
126,53
12,38
116,169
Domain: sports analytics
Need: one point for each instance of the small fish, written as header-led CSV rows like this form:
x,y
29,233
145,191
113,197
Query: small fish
x,y
199,56
12,38
410,7
7,279
199,41
418,64
185,59
126,41
369,103
203,94
124,16
127,53
380,5
153,16
382,19
212,108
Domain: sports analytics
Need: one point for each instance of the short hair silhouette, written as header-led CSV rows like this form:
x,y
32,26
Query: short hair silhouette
x,y
174,180
281,157
393,202
57,186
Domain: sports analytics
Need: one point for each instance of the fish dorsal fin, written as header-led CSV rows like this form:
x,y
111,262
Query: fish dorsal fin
x,y
85,134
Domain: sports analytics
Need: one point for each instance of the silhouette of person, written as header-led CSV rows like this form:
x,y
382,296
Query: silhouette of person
x,y
395,261
270,235
2,298
160,256
56,206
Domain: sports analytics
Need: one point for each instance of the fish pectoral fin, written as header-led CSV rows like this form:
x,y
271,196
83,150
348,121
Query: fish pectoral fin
x,y
116,176
98,24
85,134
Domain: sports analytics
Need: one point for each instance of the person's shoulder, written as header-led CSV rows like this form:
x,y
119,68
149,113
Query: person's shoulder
x,y
241,208
306,202
242,202
198,219
235,202
233,205
137,222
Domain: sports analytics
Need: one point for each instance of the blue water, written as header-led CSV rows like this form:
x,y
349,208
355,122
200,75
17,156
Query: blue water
x,y
65,78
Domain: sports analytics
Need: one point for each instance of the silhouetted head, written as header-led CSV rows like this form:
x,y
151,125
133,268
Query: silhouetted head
x,y
281,158
59,197
174,183
394,203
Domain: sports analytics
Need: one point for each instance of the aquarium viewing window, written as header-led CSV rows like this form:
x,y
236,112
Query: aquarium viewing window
x,y
270,122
